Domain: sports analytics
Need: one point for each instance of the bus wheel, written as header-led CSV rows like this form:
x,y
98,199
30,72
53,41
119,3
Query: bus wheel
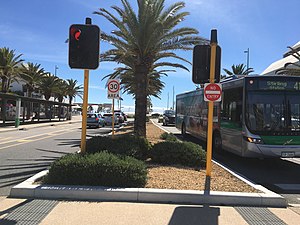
x,y
217,142
183,130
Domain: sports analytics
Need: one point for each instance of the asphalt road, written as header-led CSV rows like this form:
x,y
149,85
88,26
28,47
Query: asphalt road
x,y
278,175
24,153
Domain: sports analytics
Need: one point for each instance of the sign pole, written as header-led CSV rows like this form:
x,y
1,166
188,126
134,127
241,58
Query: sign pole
x,y
113,118
213,44
84,111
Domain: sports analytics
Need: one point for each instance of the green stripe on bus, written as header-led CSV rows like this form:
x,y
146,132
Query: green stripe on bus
x,y
281,140
231,125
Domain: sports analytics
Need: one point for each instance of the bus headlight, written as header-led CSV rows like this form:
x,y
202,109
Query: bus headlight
x,y
254,140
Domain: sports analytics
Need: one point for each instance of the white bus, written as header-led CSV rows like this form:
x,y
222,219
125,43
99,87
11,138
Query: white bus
x,y
259,116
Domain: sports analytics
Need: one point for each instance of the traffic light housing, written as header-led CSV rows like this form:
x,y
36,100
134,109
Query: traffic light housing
x,y
84,44
201,64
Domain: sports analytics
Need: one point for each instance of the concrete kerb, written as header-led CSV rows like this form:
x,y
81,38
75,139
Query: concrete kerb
x,y
28,189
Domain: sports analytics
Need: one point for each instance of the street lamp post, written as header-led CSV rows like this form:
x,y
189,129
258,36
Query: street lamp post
x,y
55,69
248,53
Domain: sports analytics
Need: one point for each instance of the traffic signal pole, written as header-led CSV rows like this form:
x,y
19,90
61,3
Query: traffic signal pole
x,y
213,44
84,111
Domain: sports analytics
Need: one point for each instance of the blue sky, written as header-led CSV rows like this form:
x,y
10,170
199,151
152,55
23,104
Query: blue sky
x,y
38,30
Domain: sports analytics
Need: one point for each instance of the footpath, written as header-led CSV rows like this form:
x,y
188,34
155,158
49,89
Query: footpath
x,y
30,203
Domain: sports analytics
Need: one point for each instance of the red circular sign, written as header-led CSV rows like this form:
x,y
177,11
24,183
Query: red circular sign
x,y
113,86
212,92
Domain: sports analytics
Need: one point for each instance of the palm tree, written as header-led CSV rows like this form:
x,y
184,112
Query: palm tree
x,y
239,69
60,90
32,75
142,41
292,69
73,90
48,86
9,66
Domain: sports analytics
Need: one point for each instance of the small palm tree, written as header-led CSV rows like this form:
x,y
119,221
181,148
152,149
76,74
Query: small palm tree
x,y
72,90
239,69
142,40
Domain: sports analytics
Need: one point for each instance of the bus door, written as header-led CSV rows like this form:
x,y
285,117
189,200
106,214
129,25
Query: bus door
x,y
231,120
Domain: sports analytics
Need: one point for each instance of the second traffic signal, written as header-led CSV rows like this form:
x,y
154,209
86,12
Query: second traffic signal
x,y
201,64
84,44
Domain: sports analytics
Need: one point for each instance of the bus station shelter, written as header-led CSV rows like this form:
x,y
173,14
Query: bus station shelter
x,y
17,110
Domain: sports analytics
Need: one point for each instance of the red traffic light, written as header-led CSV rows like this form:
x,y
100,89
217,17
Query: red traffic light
x,y
84,40
75,33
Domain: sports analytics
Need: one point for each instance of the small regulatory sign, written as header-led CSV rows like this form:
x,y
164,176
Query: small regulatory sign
x,y
212,92
113,87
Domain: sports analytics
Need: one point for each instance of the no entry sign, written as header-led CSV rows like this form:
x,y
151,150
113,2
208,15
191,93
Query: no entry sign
x,y
212,92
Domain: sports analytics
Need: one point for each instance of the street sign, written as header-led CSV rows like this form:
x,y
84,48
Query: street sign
x,y
212,92
113,89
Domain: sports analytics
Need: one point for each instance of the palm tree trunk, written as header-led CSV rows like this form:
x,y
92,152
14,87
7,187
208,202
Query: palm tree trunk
x,y
3,109
70,108
140,101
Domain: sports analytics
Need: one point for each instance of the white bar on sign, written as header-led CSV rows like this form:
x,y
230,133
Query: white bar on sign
x,y
213,92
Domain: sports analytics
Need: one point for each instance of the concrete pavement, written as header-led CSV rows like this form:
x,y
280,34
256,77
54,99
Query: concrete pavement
x,y
50,210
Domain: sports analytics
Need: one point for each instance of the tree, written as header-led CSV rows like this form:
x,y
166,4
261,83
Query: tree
x,y
32,75
48,86
142,41
60,90
292,69
9,66
73,90
239,69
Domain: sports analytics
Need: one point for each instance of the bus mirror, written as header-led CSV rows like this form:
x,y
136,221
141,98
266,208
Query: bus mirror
x,y
201,64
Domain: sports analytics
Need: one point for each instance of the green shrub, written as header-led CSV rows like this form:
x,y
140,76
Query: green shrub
x,y
129,145
100,169
168,137
183,153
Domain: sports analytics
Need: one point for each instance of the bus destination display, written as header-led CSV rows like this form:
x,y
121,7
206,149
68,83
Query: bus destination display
x,y
279,85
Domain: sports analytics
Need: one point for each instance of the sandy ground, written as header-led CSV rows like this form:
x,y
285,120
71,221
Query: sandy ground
x,y
184,178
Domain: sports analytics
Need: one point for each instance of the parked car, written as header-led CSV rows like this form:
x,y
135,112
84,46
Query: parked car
x,y
95,120
168,117
120,117
160,118
108,119
122,113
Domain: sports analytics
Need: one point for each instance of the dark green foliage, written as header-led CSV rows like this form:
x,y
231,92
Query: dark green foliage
x,y
168,137
130,145
183,153
100,169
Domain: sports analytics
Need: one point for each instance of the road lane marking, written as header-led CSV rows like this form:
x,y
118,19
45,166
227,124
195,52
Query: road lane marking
x,y
2,139
24,140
